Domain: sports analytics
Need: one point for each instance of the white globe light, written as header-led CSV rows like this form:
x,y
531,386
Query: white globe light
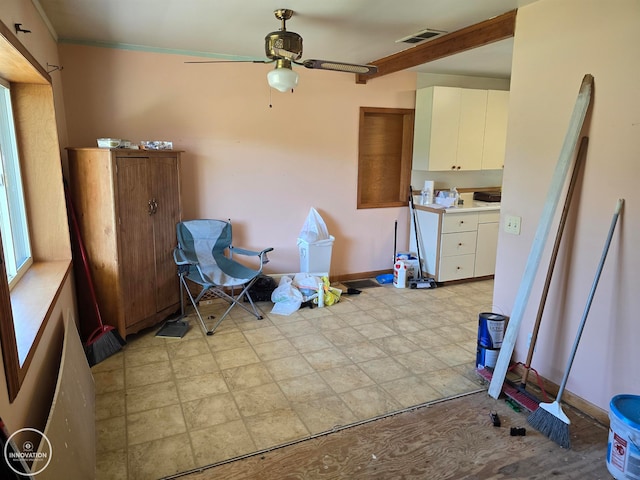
x,y
282,79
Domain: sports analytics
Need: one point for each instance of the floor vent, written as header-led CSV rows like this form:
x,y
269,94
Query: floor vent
x,y
421,36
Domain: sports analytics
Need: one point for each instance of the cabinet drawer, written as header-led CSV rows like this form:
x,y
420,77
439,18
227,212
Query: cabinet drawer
x,y
456,267
459,222
461,243
489,217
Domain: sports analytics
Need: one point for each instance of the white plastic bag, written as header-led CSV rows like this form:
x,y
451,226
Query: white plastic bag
x,y
286,298
306,283
314,228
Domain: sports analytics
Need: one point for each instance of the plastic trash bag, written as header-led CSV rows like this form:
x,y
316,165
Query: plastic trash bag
x,y
307,284
314,228
286,298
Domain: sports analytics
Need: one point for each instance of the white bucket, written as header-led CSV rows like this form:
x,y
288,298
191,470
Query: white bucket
x,y
623,449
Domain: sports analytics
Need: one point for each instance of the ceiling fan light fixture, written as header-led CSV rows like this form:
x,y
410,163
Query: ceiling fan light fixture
x,y
282,77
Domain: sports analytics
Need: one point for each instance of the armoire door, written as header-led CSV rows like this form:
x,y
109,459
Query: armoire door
x,y
136,244
165,193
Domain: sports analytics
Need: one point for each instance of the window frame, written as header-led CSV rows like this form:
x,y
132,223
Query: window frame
x,y
14,222
33,301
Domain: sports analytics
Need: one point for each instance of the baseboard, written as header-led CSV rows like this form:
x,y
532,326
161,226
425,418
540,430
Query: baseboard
x,y
588,408
336,278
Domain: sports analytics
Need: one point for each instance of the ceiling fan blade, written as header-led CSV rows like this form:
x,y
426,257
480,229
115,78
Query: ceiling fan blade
x,y
340,66
231,61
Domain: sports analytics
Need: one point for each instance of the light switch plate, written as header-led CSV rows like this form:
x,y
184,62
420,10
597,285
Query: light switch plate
x,y
512,224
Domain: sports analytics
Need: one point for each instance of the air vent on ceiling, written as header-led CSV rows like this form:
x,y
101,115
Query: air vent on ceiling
x,y
421,36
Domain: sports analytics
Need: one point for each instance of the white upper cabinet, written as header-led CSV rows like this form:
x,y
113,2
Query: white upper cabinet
x,y
451,126
473,108
495,130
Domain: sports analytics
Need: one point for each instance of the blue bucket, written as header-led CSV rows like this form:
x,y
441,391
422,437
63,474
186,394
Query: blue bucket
x,y
623,447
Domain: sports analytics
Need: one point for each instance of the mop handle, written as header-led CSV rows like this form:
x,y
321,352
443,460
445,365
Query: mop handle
x,y
415,227
590,298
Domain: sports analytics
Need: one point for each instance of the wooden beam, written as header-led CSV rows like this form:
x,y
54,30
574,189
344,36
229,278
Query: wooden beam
x,y
477,35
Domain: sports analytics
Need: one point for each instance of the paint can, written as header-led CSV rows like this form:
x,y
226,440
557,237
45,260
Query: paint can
x,y
486,357
491,328
623,447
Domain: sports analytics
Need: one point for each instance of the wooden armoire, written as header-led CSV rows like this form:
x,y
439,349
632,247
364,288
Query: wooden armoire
x,y
127,204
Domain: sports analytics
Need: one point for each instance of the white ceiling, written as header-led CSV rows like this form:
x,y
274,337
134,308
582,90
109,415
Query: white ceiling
x,y
354,31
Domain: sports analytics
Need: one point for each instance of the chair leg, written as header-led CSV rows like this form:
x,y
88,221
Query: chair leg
x,y
194,301
233,301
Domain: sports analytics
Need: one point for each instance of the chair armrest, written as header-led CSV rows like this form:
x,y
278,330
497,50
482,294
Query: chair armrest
x,y
244,251
181,257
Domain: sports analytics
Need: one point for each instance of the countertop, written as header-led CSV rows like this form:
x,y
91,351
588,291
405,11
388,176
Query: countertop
x,y
467,207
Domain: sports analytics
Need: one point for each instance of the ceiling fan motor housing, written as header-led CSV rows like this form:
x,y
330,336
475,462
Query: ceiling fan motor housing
x,y
283,41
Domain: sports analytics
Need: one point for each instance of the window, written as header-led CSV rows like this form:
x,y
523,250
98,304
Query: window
x,y
38,302
384,157
13,219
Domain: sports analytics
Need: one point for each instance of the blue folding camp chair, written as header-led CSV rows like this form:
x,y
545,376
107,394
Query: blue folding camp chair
x,y
206,257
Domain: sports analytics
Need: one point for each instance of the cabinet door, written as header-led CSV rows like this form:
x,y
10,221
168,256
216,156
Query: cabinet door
x,y
435,134
495,132
486,249
473,107
445,124
135,246
165,194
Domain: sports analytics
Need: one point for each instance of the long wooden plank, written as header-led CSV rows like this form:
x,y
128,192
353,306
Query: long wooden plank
x,y
533,261
473,36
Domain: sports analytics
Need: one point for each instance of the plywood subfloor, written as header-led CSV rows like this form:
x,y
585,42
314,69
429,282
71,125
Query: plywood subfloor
x,y
451,439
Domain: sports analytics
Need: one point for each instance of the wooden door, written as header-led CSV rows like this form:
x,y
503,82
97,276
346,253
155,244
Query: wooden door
x,y
165,192
135,246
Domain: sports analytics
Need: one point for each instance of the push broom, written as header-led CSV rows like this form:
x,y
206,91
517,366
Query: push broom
x,y
549,418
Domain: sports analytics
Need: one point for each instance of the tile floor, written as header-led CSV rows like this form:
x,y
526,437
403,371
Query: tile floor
x,y
167,405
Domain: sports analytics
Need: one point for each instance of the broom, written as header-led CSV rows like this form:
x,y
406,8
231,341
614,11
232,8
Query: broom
x,y
549,418
104,340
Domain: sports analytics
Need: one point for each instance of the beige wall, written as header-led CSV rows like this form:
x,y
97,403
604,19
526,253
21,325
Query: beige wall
x,y
557,42
263,167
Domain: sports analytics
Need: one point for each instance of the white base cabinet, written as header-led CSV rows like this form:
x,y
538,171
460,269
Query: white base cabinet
x,y
456,246
487,245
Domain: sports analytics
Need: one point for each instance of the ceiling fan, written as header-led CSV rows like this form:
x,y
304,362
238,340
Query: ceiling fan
x,y
285,48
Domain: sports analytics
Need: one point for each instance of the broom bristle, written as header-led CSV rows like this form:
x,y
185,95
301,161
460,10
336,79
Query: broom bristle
x,y
550,425
104,345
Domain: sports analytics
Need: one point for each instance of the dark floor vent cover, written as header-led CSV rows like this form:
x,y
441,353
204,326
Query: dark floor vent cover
x,y
366,283
175,329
